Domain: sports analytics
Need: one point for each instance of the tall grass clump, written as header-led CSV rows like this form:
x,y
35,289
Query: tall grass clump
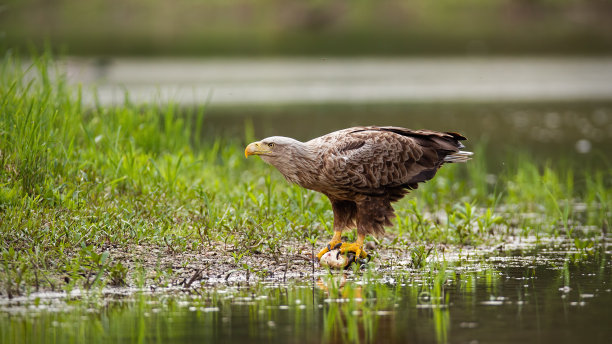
x,y
103,176
32,124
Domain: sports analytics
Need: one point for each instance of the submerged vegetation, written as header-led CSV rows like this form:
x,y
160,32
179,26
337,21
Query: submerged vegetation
x,y
101,196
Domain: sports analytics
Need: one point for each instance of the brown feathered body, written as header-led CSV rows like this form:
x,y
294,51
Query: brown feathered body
x,y
362,170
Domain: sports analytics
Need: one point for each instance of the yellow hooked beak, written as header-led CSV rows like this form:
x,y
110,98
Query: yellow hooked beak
x,y
256,148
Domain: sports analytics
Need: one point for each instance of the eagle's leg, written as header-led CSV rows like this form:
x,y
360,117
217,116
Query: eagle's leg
x,y
356,247
335,240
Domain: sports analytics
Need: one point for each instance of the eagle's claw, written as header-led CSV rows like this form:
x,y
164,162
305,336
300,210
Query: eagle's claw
x,y
335,246
361,262
344,248
331,246
354,247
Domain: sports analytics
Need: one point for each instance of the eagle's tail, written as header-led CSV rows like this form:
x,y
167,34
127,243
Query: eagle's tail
x,y
460,156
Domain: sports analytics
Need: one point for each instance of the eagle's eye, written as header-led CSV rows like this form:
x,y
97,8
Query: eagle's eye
x,y
271,144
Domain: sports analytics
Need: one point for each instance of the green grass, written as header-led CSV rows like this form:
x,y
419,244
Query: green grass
x,y
77,182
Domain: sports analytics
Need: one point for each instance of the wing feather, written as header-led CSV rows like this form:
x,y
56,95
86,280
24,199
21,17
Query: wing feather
x,y
372,160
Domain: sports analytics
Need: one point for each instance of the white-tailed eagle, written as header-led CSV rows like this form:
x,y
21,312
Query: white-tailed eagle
x,y
362,170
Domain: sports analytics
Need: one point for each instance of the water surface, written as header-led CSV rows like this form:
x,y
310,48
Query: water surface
x,y
344,80
547,295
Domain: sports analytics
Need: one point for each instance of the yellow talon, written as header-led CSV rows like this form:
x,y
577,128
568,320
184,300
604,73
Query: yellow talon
x,y
336,239
354,247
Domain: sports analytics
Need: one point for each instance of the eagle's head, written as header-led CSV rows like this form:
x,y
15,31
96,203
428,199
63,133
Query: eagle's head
x,y
274,150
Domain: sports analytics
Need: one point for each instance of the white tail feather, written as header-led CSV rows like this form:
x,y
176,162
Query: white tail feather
x,y
460,156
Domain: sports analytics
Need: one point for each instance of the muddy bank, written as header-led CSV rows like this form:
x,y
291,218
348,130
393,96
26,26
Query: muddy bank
x,y
157,267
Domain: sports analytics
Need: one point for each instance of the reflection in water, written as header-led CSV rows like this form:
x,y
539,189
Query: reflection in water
x,y
542,297
441,319
347,318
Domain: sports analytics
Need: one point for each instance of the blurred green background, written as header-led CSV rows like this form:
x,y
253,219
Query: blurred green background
x,y
309,27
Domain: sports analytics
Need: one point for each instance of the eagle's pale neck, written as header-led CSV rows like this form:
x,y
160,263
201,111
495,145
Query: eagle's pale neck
x,y
296,162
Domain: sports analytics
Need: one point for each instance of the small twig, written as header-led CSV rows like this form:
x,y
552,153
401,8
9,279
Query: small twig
x,y
87,277
205,234
285,273
313,273
255,245
36,284
299,256
229,274
168,245
50,283
196,275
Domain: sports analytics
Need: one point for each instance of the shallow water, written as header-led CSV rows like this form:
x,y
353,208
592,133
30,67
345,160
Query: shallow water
x,y
349,80
548,295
